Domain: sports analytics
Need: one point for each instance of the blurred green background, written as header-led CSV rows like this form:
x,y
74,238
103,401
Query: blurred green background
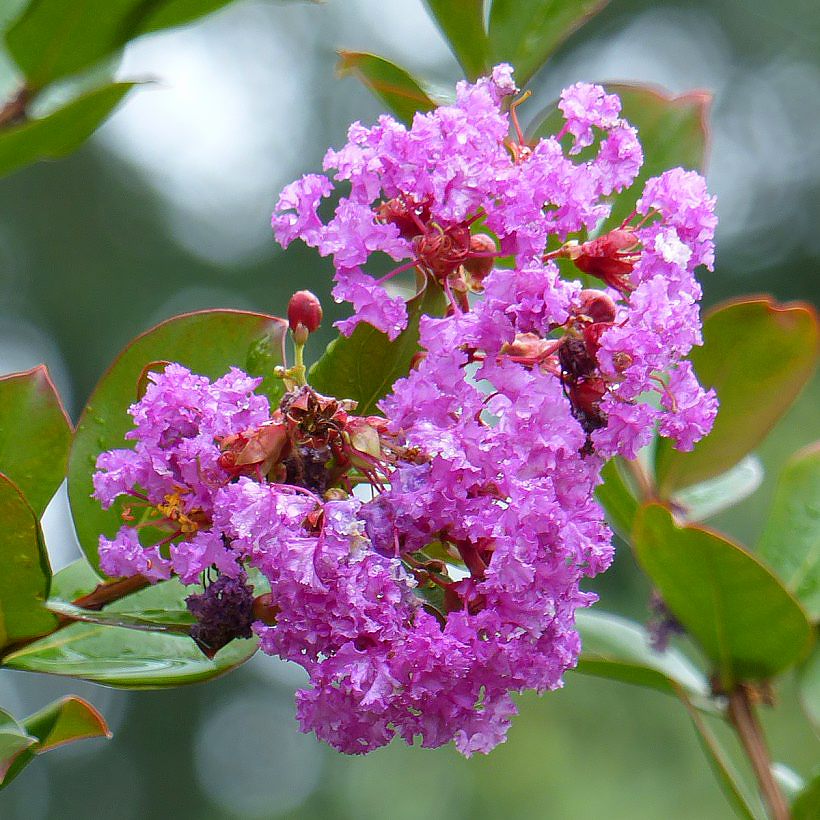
x,y
166,210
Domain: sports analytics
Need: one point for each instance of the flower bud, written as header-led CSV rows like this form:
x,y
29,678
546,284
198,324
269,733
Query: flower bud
x,y
409,220
480,260
304,309
597,305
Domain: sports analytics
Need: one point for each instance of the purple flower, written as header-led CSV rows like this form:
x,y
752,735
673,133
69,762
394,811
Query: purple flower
x,y
418,612
414,193
584,106
174,468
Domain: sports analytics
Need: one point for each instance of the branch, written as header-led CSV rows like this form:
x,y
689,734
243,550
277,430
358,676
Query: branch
x,y
742,718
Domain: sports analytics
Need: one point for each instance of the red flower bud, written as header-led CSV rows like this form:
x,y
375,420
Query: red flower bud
x,y
304,309
597,306
410,222
481,257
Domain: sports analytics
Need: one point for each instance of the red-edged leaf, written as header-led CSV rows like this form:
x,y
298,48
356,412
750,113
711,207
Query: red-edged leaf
x,y
25,574
400,92
35,435
65,721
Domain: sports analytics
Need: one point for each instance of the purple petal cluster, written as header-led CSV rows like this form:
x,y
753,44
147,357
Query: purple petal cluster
x,y
452,166
174,464
419,611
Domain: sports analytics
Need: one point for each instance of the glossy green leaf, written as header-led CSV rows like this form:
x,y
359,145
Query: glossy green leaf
x,y
128,658
700,501
525,35
616,498
806,805
749,626
53,39
264,355
24,572
809,687
60,132
65,721
175,621
208,343
35,434
14,743
757,357
402,95
790,541
462,25
365,365
618,649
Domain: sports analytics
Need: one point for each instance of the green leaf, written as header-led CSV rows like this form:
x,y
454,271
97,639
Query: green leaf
x,y
526,34
757,357
744,621
808,678
790,541
703,500
807,804
163,14
25,572
365,365
462,25
208,343
175,622
54,38
60,132
616,498
65,721
787,780
721,765
618,649
35,434
14,744
73,581
392,85
128,658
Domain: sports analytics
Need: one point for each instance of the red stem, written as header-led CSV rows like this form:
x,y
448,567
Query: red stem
x,y
741,716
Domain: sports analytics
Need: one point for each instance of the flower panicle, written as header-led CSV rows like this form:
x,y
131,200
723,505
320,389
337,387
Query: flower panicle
x,y
424,564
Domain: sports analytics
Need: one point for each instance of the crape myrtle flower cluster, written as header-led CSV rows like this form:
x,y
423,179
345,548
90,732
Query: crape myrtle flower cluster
x,y
450,578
